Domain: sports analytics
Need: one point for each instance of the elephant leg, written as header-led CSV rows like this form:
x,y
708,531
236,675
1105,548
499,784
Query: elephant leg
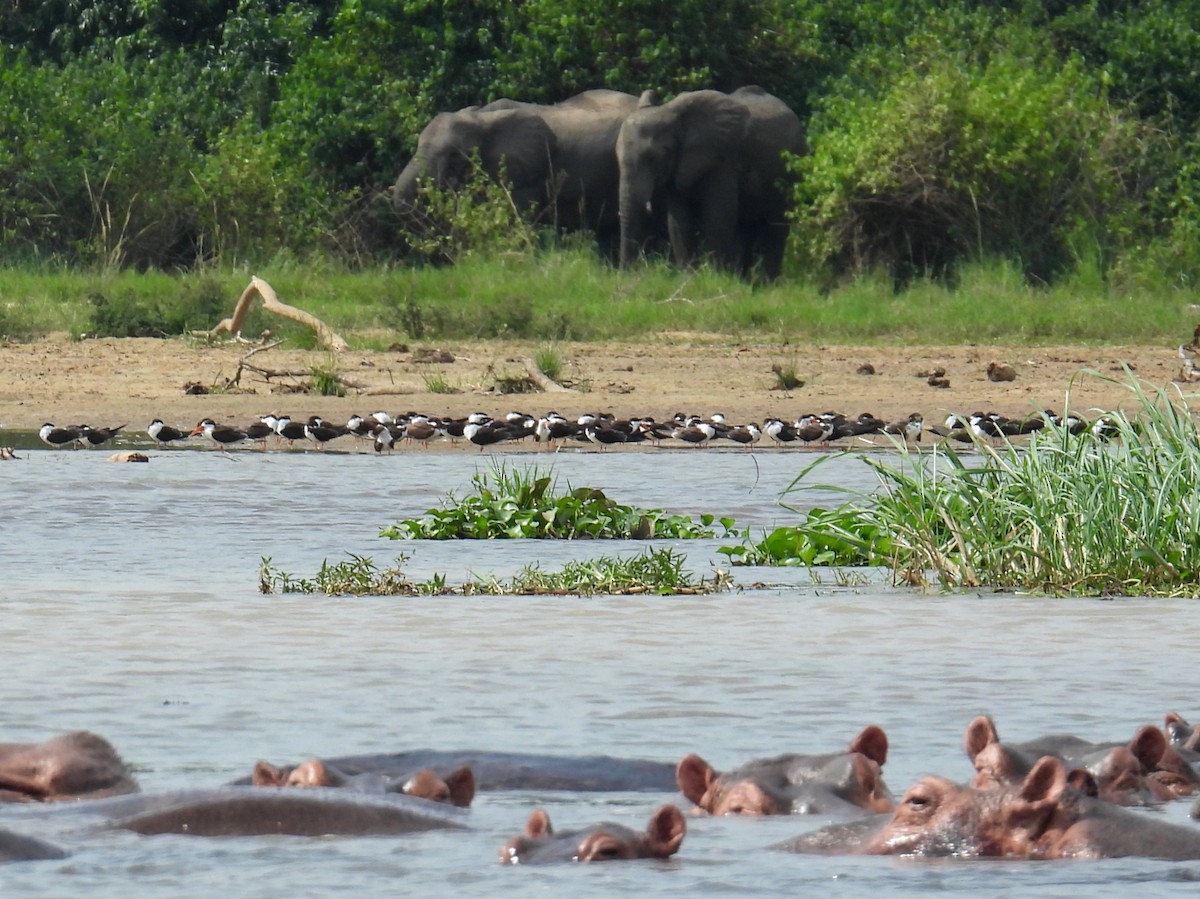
x,y
771,243
719,221
681,231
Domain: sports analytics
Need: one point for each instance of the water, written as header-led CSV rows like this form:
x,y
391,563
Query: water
x,y
130,607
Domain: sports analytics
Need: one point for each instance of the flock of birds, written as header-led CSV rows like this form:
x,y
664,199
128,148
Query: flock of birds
x,y
385,432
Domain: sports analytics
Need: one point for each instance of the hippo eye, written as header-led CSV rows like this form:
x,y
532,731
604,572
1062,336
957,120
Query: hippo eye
x,y
918,801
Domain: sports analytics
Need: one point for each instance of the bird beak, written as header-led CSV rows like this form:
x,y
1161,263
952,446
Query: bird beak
x,y
199,429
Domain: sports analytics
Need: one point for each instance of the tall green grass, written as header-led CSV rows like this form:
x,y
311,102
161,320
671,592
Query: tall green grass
x,y
570,295
1068,514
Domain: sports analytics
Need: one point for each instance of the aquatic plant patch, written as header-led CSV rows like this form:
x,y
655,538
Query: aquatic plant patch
x,y
840,536
524,504
654,571
1110,511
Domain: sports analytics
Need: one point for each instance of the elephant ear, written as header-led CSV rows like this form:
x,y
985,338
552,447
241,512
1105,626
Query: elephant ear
x,y
712,127
521,142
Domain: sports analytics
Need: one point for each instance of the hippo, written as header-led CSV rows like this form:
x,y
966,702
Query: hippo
x,y
846,782
1143,771
599,843
253,811
496,771
1182,735
1043,817
79,765
456,788
15,847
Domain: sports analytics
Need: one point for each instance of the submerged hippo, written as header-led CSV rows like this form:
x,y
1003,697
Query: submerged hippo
x,y
79,765
494,771
1144,770
15,847
599,843
251,811
1182,735
1043,817
456,788
837,782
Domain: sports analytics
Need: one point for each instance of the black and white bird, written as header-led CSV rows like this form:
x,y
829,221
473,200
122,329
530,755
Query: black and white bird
x,y
90,436
223,436
60,437
164,434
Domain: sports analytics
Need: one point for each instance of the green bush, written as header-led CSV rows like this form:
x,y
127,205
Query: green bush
x,y
995,147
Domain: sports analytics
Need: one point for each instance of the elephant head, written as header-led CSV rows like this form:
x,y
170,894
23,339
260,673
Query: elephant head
x,y
506,137
680,162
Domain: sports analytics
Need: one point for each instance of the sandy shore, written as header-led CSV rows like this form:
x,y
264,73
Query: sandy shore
x,y
107,382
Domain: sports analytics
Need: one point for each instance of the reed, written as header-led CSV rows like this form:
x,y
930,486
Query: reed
x,y
1090,514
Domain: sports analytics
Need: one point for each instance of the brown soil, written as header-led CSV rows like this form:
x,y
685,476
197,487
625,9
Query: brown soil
x,y
108,382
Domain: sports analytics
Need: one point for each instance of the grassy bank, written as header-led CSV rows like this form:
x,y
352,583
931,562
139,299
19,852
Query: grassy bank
x,y
1112,512
569,295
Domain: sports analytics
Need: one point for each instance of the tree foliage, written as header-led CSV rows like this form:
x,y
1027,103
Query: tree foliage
x,y
175,133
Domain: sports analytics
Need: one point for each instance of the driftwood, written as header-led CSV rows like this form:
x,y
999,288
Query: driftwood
x,y
548,385
258,287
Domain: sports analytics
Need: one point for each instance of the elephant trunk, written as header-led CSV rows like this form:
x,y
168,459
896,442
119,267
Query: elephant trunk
x,y
404,191
635,217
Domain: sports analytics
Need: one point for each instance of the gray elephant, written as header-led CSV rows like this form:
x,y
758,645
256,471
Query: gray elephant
x,y
560,160
713,165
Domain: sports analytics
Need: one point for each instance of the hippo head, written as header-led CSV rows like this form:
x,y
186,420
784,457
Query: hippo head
x,y
938,817
1180,734
456,788
793,783
602,842
76,765
996,765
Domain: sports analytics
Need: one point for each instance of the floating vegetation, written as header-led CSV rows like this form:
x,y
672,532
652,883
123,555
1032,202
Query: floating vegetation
x,y
1110,511
654,571
523,504
826,537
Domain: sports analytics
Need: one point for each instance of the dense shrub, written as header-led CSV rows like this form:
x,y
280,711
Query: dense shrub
x,y
172,135
996,149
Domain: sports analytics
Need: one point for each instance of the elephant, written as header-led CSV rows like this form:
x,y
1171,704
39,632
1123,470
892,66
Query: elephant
x,y
713,166
559,160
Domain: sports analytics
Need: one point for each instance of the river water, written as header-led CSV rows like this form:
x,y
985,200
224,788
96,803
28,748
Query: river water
x,y
129,606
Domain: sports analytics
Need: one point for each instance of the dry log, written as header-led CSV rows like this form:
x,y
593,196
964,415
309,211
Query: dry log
x,y
548,385
258,287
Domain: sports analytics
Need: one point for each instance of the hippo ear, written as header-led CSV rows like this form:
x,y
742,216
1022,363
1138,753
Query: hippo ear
x,y
873,743
1045,782
980,734
664,835
694,776
312,773
1038,798
870,792
1081,779
461,782
1149,745
267,775
538,825
427,785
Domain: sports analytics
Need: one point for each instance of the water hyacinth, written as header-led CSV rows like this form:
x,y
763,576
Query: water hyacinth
x,y
1112,513
509,503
